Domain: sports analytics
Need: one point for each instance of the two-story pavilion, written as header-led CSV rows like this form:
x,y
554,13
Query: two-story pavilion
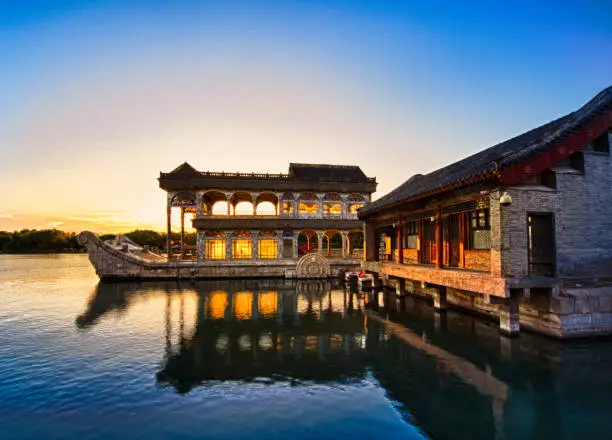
x,y
525,225
241,218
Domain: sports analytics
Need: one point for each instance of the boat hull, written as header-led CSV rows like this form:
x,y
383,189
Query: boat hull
x,y
112,264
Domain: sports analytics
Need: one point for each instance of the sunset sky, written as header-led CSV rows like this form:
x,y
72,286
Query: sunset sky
x,y
98,97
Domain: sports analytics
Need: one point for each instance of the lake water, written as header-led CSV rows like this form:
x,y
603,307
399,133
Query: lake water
x,y
274,359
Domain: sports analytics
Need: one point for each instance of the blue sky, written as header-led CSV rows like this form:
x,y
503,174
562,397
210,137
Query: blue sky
x,y
99,96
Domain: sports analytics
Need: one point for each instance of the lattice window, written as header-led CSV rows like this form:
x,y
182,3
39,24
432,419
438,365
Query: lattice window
x,y
288,207
353,207
332,208
308,208
267,248
242,248
480,229
215,249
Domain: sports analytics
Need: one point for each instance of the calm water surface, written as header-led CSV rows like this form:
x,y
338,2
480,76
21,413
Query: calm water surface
x,y
274,360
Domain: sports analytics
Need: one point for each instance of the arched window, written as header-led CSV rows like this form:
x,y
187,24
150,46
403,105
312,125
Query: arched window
x,y
355,244
308,204
355,201
243,208
288,202
214,203
332,244
308,241
184,199
266,204
332,204
242,203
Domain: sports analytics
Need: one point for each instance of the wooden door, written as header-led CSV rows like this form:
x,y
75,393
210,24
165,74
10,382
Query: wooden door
x,y
541,244
428,248
451,239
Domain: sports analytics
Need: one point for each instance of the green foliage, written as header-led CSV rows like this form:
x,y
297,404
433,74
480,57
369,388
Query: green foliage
x,y
53,240
41,241
147,237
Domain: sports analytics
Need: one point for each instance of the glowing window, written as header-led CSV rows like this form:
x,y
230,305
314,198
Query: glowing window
x,y
215,249
288,207
244,208
353,207
308,207
242,249
265,208
219,208
267,248
217,304
332,208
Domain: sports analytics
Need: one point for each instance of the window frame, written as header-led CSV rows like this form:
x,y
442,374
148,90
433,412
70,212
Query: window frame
x,y
235,242
409,229
309,203
266,256
214,242
475,216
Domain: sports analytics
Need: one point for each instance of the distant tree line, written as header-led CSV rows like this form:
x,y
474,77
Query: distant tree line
x,y
29,241
37,241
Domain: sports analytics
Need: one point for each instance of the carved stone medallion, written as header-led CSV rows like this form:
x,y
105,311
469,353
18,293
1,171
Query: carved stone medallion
x,y
313,266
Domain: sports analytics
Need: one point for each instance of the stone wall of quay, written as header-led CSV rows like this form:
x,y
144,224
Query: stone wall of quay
x,y
574,312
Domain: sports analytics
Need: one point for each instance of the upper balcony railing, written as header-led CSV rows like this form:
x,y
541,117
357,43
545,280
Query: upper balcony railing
x,y
266,176
258,176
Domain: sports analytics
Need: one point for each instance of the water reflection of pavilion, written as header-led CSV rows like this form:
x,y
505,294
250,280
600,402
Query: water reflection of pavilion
x,y
307,331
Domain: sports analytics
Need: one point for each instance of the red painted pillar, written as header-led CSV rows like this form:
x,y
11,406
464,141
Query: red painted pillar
x,y
439,252
400,244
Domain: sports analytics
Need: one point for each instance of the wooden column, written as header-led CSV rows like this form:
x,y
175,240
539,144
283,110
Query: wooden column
x,y
462,239
182,233
439,248
168,230
400,244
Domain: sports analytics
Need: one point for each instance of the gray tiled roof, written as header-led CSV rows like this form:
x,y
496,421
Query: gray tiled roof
x,y
495,158
327,173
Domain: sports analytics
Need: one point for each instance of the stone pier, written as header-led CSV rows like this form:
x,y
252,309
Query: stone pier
x,y
509,316
439,298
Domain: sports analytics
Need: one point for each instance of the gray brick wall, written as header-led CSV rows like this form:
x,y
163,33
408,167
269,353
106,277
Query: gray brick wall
x,y
582,206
